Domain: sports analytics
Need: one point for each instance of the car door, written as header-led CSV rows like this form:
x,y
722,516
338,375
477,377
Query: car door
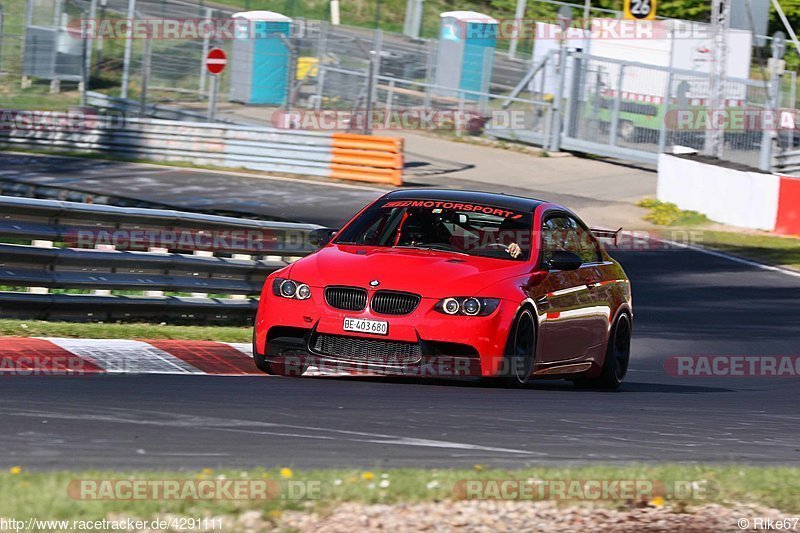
x,y
574,322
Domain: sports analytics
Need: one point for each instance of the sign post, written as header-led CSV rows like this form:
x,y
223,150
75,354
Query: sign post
x,y
215,60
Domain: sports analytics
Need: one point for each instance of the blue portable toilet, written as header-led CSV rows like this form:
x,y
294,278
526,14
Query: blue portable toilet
x,y
466,52
260,60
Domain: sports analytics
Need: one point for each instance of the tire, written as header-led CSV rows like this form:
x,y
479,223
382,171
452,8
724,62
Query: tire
x,y
277,369
615,364
521,352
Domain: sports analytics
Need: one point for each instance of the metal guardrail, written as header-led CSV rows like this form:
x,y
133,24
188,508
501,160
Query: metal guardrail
x,y
96,251
290,151
788,162
267,149
133,108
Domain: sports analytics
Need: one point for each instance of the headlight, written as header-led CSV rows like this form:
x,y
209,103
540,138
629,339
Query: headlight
x,y
472,306
465,305
303,292
450,306
287,288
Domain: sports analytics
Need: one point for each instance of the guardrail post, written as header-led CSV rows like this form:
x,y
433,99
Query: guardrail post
x,y
241,257
105,247
201,253
156,250
40,244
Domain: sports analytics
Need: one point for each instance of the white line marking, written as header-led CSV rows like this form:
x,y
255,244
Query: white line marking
x,y
735,258
167,419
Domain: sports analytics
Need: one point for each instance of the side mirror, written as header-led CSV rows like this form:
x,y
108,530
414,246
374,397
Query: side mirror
x,y
321,236
564,260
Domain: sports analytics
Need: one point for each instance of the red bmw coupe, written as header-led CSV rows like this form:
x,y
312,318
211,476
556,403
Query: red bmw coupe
x,y
452,283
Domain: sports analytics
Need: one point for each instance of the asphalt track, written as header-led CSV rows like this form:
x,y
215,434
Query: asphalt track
x,y
686,303
238,194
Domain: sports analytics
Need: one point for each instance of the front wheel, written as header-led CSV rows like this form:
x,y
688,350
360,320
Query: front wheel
x,y
618,355
286,367
521,352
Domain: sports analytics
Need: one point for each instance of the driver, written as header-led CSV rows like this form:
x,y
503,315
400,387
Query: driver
x,y
508,235
416,228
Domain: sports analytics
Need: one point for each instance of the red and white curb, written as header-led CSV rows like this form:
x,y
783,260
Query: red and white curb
x,y
29,356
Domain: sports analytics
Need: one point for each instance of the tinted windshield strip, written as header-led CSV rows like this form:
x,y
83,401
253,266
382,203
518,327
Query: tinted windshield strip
x,y
457,206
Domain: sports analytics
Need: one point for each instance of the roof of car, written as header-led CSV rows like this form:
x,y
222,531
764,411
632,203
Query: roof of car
x,y
508,201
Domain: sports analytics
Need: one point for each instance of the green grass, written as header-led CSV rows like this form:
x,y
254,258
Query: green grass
x,y
764,248
668,214
91,330
44,494
782,251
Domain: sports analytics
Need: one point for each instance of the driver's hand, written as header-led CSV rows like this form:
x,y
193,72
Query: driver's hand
x,y
514,250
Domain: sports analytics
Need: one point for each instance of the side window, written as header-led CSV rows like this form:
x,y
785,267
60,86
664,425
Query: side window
x,y
587,246
562,232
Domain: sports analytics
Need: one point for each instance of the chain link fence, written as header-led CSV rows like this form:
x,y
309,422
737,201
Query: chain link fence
x,y
561,99
645,108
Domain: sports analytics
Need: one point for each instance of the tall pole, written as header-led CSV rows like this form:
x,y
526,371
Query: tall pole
x,y
587,5
720,22
126,61
146,56
89,39
212,101
103,4
772,102
518,15
201,89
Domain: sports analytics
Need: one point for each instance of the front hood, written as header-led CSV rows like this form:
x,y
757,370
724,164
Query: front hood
x,y
432,274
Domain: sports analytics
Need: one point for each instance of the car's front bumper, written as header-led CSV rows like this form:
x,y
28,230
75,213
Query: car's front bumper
x,y
425,342
297,349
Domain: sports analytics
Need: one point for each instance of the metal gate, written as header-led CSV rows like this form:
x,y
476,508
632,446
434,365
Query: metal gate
x,y
633,111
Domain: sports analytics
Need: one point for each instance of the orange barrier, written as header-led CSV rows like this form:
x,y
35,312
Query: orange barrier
x,y
369,158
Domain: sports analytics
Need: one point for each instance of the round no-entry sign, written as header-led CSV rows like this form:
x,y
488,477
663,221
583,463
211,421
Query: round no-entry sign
x,y
216,60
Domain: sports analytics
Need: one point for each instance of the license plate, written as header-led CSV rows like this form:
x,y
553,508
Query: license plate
x,y
363,325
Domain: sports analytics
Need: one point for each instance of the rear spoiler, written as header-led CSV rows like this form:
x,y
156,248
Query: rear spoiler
x,y
606,233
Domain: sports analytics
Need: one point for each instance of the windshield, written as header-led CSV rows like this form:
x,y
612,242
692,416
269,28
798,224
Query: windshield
x,y
463,228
